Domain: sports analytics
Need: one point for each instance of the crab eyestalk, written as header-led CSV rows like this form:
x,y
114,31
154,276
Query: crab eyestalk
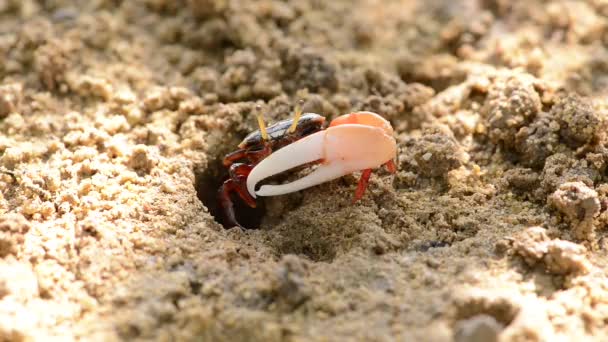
x,y
261,123
296,117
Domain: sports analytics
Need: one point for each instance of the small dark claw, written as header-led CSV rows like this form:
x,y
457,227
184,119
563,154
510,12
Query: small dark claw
x,y
232,157
238,180
238,170
238,173
255,156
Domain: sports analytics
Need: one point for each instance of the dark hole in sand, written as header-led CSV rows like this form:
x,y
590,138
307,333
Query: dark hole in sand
x,y
207,184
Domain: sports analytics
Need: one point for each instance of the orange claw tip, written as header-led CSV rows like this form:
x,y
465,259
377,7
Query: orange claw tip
x,y
364,118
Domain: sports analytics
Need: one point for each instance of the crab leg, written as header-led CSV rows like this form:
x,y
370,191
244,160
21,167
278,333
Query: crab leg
x,y
341,149
362,184
226,203
390,166
236,183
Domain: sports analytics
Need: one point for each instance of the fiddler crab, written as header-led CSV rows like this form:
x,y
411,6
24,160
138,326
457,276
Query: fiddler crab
x,y
359,141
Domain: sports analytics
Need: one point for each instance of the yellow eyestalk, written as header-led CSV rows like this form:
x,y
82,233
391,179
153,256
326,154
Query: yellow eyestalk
x,y
261,123
296,117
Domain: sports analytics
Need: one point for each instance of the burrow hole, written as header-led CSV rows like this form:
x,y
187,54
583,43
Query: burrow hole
x,y
208,183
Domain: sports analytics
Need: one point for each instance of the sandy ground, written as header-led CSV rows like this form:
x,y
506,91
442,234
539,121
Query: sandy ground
x,y
114,116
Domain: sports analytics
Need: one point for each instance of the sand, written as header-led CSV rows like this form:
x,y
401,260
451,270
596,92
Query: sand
x,y
115,115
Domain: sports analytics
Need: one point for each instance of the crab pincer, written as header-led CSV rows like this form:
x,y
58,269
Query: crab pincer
x,y
353,142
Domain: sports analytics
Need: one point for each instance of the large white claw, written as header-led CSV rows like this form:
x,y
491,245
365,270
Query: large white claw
x,y
324,173
342,149
305,150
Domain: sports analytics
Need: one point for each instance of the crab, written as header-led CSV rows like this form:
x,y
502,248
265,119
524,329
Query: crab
x,y
359,141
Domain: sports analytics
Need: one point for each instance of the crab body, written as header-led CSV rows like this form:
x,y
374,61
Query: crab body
x,y
277,133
